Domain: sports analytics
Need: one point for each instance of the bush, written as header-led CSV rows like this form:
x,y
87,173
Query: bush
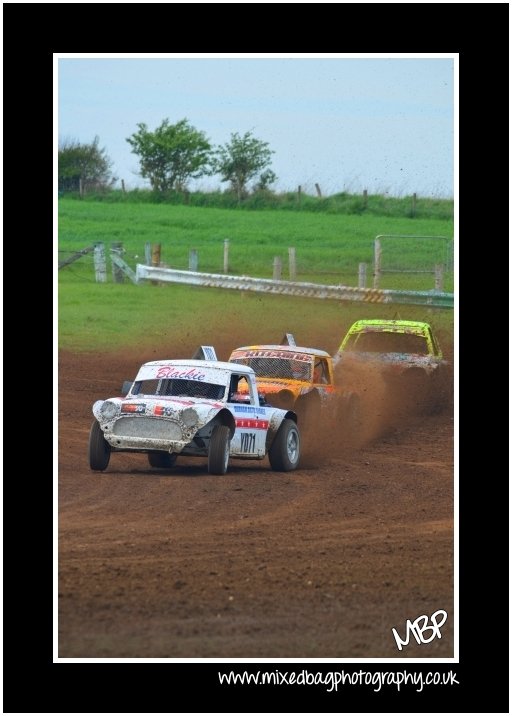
x,y
265,199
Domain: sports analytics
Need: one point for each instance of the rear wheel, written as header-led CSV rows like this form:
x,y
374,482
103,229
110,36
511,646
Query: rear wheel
x,y
99,449
284,399
162,459
284,453
309,409
218,450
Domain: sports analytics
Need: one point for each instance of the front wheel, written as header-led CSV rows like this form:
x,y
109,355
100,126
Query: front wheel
x,y
218,450
284,453
162,459
99,449
415,391
351,415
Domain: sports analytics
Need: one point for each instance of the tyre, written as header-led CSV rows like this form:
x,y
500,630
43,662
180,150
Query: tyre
x,y
99,449
162,459
309,409
416,393
218,450
440,391
284,399
284,453
351,415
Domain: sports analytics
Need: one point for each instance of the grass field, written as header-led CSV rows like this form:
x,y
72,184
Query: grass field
x,y
110,316
329,248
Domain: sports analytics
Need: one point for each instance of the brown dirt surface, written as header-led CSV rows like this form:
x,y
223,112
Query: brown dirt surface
x,y
318,563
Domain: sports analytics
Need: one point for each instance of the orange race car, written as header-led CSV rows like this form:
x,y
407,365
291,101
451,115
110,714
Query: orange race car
x,y
290,376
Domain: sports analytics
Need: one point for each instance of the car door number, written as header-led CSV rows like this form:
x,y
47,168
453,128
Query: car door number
x,y
248,442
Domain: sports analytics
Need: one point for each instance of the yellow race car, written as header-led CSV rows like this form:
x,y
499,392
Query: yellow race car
x,y
405,354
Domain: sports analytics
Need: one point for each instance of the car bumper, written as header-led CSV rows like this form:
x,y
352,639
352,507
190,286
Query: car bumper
x,y
146,433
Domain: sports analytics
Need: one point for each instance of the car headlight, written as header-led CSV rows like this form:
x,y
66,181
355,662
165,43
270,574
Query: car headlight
x,y
189,417
109,410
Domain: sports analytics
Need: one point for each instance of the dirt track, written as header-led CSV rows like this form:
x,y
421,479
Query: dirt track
x,y
317,563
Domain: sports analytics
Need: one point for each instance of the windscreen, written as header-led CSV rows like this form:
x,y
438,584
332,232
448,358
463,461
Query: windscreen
x,y
276,364
179,388
386,342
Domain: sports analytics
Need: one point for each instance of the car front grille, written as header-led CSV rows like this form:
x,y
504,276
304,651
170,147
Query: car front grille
x,y
145,427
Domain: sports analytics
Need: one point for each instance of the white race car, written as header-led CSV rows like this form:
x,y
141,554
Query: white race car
x,y
201,408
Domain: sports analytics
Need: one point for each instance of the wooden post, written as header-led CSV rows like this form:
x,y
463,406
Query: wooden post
x,y
365,198
299,193
226,255
361,279
123,187
438,277
147,253
117,274
377,260
292,266
186,197
414,204
278,268
100,263
156,250
81,188
318,191
193,260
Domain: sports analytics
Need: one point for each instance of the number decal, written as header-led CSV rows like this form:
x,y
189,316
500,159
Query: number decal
x,y
248,442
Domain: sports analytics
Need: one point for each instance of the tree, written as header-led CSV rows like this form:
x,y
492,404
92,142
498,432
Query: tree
x,y
241,159
82,166
265,179
171,155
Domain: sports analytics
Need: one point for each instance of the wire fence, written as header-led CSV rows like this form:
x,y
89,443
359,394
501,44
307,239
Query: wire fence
x,y
390,269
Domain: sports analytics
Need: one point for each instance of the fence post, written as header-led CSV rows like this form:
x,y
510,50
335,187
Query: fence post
x,y
193,260
376,260
278,267
81,191
365,198
100,263
226,255
318,191
123,188
361,279
299,193
156,250
414,204
155,254
117,274
438,277
147,253
292,266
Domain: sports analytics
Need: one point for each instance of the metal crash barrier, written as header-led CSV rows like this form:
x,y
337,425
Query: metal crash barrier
x,y
433,298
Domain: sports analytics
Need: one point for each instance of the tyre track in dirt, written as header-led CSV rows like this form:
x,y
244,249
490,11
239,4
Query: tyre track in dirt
x,y
317,563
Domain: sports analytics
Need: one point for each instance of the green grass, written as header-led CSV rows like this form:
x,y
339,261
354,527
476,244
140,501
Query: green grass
x,y
173,318
176,319
328,248
341,203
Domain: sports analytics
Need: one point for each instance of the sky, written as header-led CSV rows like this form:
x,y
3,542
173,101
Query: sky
x,y
384,124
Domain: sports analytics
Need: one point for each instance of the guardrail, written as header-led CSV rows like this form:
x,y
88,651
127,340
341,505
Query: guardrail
x,y
433,298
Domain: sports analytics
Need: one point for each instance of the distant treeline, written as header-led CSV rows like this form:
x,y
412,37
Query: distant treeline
x,y
411,206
